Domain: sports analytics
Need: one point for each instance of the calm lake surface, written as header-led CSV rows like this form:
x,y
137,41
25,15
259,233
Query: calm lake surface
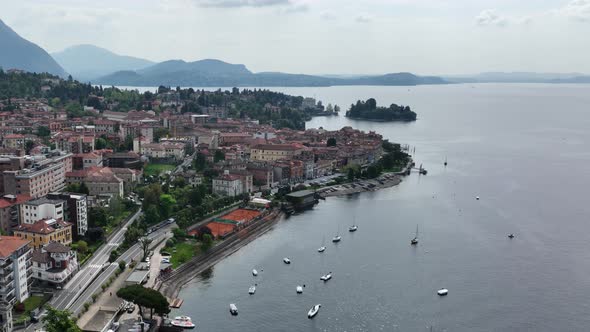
x,y
523,148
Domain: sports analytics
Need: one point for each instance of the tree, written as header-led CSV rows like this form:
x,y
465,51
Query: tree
x,y
167,203
218,156
59,321
351,174
82,246
204,230
97,217
29,145
200,162
329,108
152,215
145,242
331,141
122,265
100,143
159,133
113,255
94,234
145,297
43,131
207,242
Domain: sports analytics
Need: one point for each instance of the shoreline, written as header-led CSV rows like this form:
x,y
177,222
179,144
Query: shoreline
x,y
173,284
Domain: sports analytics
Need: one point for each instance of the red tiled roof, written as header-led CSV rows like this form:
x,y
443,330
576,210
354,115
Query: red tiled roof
x,y
4,202
41,227
9,244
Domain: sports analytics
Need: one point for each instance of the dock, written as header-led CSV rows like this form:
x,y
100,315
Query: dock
x,y
175,302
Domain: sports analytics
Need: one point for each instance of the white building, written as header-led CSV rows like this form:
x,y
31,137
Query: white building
x,y
15,269
42,208
228,185
54,263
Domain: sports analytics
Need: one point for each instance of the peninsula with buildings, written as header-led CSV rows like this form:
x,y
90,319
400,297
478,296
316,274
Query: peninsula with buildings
x,y
94,180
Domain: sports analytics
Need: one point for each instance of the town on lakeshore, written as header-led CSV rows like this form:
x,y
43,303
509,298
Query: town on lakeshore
x,y
113,199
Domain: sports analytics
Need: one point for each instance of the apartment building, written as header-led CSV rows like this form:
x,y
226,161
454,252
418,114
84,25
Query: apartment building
x,y
272,152
228,185
45,231
75,211
10,211
46,175
15,273
42,208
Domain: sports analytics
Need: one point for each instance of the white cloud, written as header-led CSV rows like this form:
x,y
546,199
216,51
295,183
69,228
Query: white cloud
x,y
490,17
242,3
578,10
364,18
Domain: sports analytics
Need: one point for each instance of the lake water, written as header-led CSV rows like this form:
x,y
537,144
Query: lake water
x,y
523,148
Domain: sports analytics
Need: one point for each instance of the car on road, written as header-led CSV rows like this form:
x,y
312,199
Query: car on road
x,y
166,260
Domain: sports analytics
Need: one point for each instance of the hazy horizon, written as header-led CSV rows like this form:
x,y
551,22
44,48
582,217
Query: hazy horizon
x,y
323,37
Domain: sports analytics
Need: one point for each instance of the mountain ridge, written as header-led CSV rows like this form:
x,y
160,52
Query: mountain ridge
x,y
19,53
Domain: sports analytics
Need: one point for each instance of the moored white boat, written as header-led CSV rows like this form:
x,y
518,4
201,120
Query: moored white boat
x,y
313,311
287,260
336,238
326,277
233,309
321,249
353,228
252,290
443,292
254,272
183,321
299,289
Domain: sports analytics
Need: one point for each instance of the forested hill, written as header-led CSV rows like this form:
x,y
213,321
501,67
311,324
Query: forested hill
x,y
368,110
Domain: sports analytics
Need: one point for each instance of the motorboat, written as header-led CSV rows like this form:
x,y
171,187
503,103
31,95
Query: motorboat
x,y
299,289
287,260
511,236
313,311
252,290
443,292
321,249
233,309
254,272
183,321
326,277
336,238
477,198
353,228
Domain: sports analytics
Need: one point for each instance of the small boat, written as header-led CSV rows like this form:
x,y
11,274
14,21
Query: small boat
x,y
254,272
299,289
233,309
252,290
336,238
287,260
183,321
323,247
326,277
445,161
477,198
415,239
352,228
511,236
443,292
313,311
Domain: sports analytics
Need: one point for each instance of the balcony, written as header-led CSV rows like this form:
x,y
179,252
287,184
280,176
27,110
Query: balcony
x,y
7,280
6,263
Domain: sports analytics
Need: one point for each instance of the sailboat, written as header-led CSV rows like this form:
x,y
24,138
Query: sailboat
x,y
353,227
323,247
337,238
415,239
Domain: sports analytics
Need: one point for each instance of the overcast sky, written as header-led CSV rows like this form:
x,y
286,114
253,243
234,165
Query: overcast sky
x,y
323,36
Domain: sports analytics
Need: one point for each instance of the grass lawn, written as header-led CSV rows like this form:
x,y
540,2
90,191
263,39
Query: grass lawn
x,y
31,303
182,252
156,169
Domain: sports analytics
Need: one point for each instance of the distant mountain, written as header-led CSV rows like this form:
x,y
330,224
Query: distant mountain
x,y
517,77
19,53
211,72
87,62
